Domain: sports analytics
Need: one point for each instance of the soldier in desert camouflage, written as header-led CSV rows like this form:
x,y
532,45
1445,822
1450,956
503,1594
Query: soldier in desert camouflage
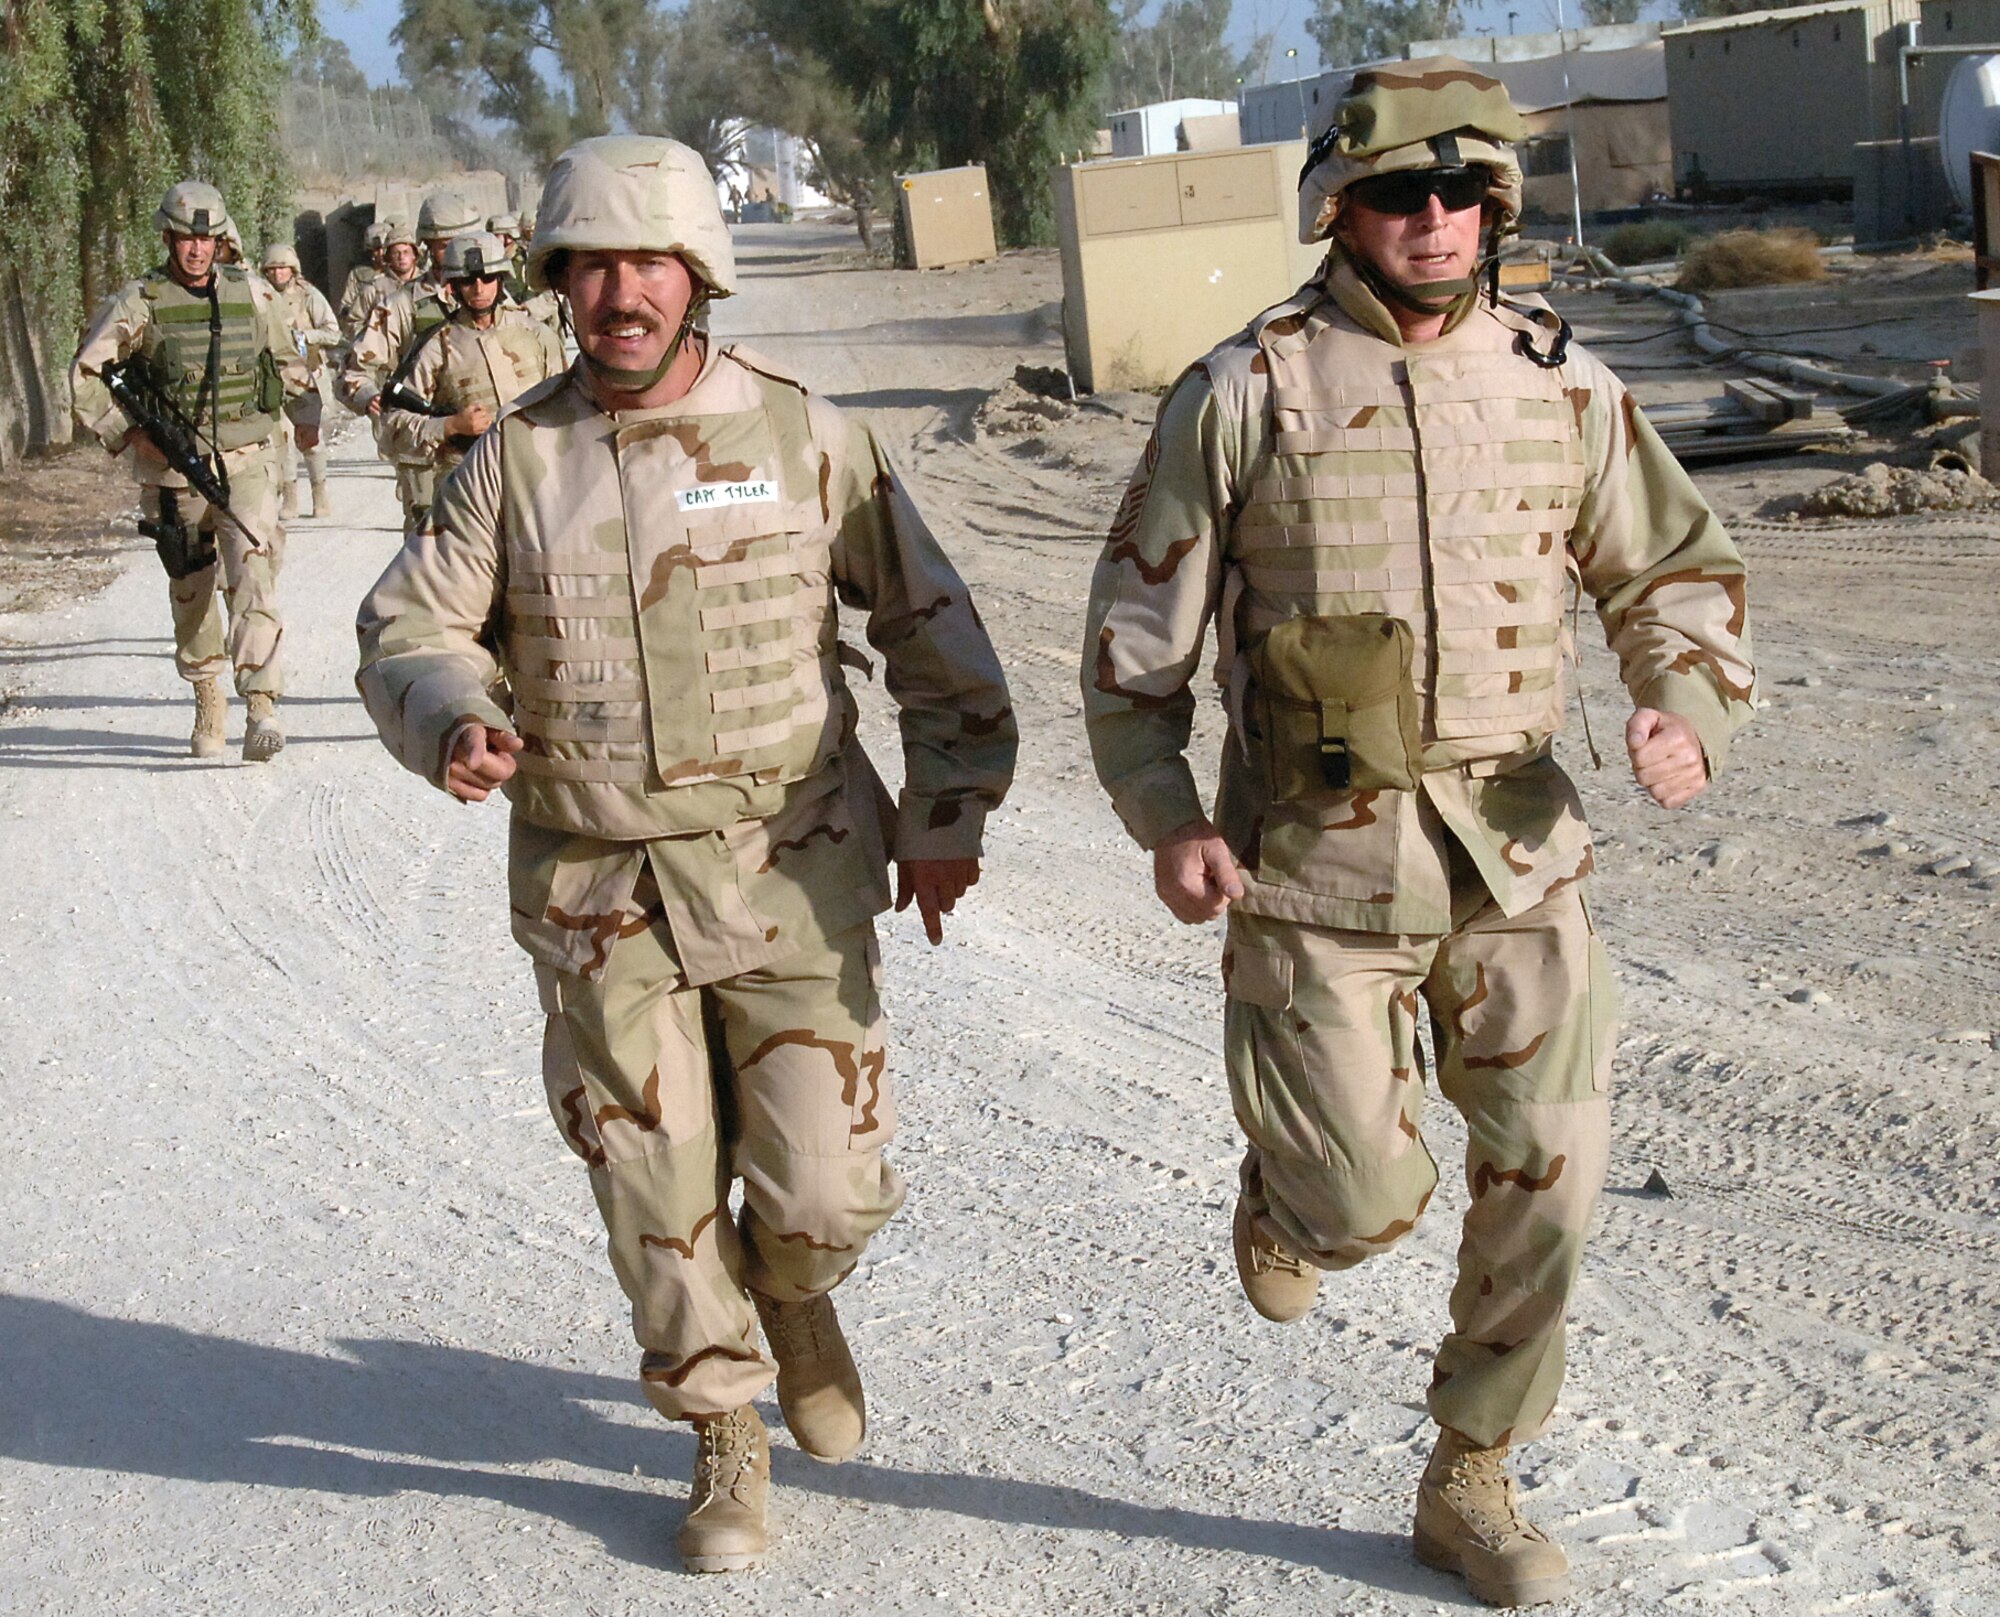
x,y
357,295
486,354
403,315
216,338
315,332
626,620
1380,491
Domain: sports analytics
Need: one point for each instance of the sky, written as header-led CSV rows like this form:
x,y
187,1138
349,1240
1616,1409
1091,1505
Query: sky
x,y
363,25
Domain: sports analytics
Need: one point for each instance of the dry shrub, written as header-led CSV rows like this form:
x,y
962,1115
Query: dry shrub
x,y
1751,258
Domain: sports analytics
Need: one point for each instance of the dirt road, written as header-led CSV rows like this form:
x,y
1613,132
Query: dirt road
x,y
303,1306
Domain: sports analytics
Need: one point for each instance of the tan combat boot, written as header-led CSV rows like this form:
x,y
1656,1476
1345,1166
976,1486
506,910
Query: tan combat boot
x,y
724,1529
1469,1521
288,502
1279,1286
322,502
818,1387
210,710
262,739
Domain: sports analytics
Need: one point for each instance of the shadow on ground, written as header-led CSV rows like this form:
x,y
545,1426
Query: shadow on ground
x,y
81,1390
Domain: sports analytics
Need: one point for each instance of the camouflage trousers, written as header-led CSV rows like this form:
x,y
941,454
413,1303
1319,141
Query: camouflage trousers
x,y
289,456
1328,1083
670,1093
248,580
416,487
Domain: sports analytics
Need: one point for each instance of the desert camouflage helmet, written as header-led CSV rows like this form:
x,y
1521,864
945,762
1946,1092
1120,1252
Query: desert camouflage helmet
x,y
634,193
1434,112
376,235
397,234
505,224
446,213
193,208
281,253
480,253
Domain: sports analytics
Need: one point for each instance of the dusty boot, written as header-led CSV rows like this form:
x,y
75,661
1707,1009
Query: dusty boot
x,y
322,505
1279,1286
262,739
1469,1521
724,1530
210,709
818,1387
288,502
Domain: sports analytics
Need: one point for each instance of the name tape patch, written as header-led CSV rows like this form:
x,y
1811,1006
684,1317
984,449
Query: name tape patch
x,y
709,496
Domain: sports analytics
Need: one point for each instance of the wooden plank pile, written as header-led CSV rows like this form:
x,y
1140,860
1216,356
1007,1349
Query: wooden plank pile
x,y
1758,417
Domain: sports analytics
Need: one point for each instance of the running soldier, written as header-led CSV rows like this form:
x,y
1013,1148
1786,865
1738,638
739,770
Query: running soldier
x,y
1380,491
626,620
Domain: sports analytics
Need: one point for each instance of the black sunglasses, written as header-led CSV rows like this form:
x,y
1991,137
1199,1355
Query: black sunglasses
x,y
1410,190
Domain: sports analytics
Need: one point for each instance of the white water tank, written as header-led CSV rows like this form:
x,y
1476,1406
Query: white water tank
x,y
1969,120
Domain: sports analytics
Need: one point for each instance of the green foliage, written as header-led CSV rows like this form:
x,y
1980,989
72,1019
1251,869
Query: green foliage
x,y
103,103
492,46
695,75
1349,32
1182,52
1645,241
938,83
1606,13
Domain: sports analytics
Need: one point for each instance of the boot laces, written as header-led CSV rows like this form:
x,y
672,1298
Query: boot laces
x,y
1485,1490
795,1328
1269,1258
726,1451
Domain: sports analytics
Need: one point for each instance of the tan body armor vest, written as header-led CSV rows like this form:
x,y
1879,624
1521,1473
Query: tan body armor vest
x,y
491,367
703,647
248,392
1436,485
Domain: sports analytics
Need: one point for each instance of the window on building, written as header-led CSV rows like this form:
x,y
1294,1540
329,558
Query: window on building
x,y
1543,155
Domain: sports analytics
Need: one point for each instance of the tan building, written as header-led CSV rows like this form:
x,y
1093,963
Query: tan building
x,y
1775,102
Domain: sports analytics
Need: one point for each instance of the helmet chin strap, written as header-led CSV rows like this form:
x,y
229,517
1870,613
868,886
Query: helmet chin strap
x,y
622,379
1428,297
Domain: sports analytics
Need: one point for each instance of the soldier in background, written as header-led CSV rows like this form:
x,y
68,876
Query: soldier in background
x,y
401,318
482,357
400,261
1379,490
217,341
641,560
358,295
314,331
507,226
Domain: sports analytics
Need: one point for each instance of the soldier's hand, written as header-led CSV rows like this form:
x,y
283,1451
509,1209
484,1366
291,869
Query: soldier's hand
x,y
1666,757
1194,874
482,760
375,406
470,422
936,885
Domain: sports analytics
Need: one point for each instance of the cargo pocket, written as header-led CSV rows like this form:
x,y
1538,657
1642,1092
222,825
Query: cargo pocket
x,y
562,1074
1261,1046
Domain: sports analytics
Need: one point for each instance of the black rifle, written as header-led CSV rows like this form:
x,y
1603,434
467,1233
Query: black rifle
x,y
395,396
153,411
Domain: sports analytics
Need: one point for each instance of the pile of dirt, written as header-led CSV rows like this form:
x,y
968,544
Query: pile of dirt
x,y
65,521
1894,491
1013,411
1751,258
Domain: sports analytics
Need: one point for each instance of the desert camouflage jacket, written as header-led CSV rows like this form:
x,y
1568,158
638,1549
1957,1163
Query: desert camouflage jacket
x,y
648,599
1315,465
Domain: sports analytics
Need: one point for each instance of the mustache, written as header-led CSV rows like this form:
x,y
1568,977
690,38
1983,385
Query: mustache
x,y
625,317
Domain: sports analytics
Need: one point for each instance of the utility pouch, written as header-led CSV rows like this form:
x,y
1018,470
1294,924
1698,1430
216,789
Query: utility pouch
x,y
270,384
1338,706
183,551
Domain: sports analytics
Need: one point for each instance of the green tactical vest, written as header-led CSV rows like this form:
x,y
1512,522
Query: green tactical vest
x,y
248,392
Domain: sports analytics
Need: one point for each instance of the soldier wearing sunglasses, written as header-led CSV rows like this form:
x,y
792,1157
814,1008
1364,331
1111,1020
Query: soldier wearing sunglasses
x,y
1381,491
